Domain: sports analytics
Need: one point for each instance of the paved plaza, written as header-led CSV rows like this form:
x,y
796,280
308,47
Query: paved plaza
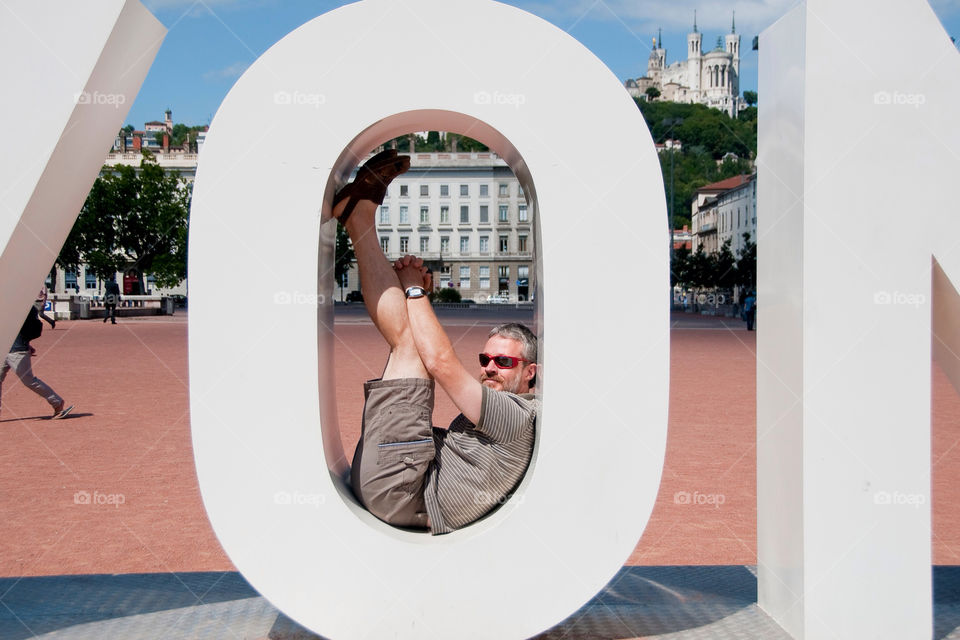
x,y
104,534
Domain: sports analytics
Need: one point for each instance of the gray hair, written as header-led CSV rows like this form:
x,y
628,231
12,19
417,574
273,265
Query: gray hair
x,y
523,335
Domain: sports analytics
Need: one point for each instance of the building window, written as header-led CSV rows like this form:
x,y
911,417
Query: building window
x,y
445,276
444,190
404,244
484,214
523,213
504,189
404,214
504,271
520,192
484,277
484,190
484,244
523,272
504,244
465,277
464,214
464,245
424,190
522,244
424,245
465,190
385,244
444,214
504,215
89,279
424,215
385,214
444,244
404,190
70,279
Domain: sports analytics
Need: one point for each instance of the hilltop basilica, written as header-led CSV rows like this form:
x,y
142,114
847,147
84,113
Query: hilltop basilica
x,y
711,78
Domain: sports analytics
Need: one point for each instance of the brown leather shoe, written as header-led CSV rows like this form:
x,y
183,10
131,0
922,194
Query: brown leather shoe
x,y
371,181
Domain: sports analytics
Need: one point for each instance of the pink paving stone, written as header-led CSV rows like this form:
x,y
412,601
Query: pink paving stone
x,y
130,436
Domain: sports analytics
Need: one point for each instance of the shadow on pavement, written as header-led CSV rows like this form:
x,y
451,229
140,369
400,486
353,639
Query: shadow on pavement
x,y
690,601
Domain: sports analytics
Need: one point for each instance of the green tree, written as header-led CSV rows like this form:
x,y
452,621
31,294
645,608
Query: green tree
x,y
680,268
725,265
448,294
750,97
652,93
134,220
344,254
701,270
747,264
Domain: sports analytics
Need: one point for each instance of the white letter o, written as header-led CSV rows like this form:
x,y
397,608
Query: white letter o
x,y
261,372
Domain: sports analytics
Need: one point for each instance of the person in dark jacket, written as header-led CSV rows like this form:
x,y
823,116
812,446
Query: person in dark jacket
x,y
110,299
19,360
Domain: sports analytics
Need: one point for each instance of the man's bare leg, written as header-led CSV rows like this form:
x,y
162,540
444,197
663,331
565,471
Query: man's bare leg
x,y
396,440
382,295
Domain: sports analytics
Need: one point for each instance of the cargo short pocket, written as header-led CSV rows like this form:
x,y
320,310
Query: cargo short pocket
x,y
407,459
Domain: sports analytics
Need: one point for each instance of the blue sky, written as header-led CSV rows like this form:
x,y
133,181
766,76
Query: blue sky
x,y
211,42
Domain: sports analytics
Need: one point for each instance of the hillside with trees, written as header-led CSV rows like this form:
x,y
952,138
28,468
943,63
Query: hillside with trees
x,y
714,147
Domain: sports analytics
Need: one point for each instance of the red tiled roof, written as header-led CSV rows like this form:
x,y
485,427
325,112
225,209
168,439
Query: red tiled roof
x,y
729,183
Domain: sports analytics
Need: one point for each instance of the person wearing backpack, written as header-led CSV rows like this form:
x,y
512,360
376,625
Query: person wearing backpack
x,y
19,360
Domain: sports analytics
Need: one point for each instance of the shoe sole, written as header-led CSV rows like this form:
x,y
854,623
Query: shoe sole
x,y
63,413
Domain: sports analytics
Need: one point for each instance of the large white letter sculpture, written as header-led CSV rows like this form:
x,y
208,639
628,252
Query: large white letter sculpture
x,y
70,73
312,105
857,160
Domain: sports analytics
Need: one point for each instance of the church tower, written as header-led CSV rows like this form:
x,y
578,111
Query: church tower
x,y
694,50
733,48
657,61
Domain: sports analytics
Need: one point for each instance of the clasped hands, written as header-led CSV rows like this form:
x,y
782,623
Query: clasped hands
x,y
412,273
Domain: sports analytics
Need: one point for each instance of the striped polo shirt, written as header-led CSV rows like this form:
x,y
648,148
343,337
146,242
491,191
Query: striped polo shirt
x,y
477,466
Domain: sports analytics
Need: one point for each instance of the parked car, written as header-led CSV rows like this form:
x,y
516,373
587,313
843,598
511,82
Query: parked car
x,y
498,299
354,296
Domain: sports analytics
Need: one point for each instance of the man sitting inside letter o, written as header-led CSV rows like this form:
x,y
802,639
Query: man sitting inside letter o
x,y
405,471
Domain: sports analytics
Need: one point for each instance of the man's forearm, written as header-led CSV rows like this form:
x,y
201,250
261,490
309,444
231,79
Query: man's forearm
x,y
432,342
440,360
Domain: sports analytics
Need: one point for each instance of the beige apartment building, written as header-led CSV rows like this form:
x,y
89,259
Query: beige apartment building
x,y
466,215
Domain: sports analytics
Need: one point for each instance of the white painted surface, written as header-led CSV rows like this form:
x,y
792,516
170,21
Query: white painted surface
x,y
339,86
69,74
844,322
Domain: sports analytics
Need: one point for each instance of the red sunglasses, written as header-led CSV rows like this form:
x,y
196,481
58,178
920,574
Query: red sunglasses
x,y
502,362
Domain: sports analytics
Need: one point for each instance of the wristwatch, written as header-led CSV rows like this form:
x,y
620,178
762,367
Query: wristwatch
x,y
415,292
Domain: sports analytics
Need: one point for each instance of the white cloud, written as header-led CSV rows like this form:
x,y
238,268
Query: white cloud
x,y
233,71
